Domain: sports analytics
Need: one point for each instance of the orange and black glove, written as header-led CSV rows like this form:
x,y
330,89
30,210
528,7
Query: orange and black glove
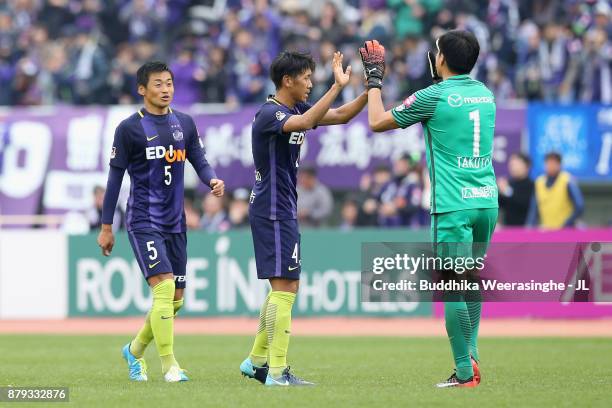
x,y
373,58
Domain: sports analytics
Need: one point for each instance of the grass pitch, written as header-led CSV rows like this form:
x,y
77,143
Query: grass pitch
x,y
349,372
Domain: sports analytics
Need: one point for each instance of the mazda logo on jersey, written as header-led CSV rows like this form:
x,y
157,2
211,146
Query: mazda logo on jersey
x,y
170,154
296,138
455,100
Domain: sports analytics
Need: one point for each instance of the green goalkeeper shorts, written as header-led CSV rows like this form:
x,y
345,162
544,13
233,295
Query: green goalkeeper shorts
x,y
474,226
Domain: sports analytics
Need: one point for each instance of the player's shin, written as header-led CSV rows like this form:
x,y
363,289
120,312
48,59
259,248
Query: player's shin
x,y
162,322
278,329
139,344
259,352
144,337
459,330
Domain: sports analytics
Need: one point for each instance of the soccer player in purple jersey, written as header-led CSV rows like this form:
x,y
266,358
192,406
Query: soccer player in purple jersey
x,y
153,145
278,133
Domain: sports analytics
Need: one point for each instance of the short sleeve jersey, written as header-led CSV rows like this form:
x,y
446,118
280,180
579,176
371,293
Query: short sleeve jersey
x,y
458,118
276,155
153,149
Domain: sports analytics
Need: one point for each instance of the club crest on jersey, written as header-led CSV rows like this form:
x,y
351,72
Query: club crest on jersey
x,y
280,115
170,154
177,135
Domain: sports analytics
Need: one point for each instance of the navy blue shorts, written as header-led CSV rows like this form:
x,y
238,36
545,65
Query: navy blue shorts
x,y
277,248
161,252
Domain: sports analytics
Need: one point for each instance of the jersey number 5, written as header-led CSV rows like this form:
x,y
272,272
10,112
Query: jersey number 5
x,y
475,116
151,248
167,175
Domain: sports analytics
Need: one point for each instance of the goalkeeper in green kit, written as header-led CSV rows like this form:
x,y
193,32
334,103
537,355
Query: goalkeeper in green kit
x,y
458,118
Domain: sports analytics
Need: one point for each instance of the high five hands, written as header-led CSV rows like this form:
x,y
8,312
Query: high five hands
x,y
373,59
341,77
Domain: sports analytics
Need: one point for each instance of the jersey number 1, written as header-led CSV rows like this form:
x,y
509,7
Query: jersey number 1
x,y
475,116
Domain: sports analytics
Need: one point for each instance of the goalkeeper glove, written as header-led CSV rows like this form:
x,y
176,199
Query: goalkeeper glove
x,y
373,58
432,67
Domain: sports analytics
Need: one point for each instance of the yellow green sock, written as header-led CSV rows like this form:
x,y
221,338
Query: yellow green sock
x,y
259,352
278,329
162,322
142,339
145,335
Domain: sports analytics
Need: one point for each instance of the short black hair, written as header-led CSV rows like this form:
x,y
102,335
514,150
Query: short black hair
x,y
460,49
553,156
523,157
290,63
145,71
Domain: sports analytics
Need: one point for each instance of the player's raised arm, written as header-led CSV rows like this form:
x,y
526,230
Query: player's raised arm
x,y
312,117
346,112
197,157
418,107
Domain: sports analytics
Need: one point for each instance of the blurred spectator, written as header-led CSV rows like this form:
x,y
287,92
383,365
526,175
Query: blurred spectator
x,y
516,193
94,215
371,187
192,217
553,59
410,15
122,79
529,76
90,69
329,24
57,16
375,22
238,212
187,78
323,77
247,70
214,217
214,85
558,201
595,75
400,199
349,214
315,202
144,18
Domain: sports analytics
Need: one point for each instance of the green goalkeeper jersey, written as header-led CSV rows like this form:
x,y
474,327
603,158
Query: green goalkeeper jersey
x,y
458,117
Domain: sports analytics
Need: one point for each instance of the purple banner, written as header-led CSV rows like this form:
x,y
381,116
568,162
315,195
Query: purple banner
x,y
52,158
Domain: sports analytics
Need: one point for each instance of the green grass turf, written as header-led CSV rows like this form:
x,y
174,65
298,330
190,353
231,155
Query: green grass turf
x,y
349,372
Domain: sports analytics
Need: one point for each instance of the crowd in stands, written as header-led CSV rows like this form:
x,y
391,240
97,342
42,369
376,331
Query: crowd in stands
x,y
397,197
84,52
87,51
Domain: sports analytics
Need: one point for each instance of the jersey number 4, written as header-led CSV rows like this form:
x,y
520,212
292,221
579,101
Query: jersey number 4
x,y
475,116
